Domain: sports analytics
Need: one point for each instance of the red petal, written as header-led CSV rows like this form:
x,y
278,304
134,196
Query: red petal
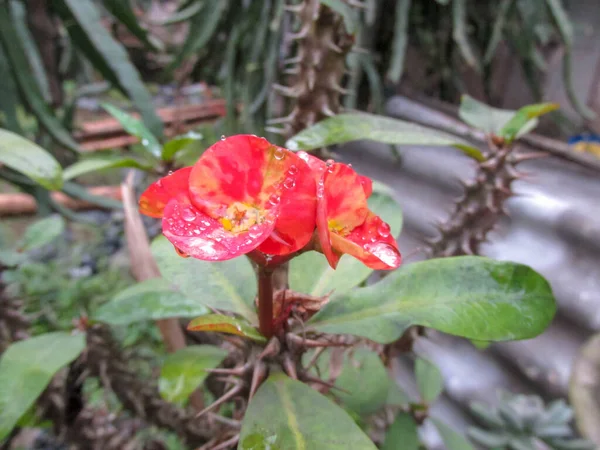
x,y
371,243
346,200
296,220
367,185
155,198
196,234
323,229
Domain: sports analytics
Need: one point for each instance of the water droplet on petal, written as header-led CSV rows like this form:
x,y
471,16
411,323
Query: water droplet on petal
x,y
196,231
170,172
320,191
181,253
350,165
293,170
329,162
205,222
188,214
274,199
385,252
222,137
159,183
383,229
279,153
254,231
289,183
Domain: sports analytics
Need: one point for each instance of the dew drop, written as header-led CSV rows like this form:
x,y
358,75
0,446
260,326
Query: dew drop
x,y
205,222
222,137
293,170
383,229
188,214
181,253
289,183
145,142
320,191
274,199
279,153
159,183
303,156
218,239
170,221
350,165
329,162
385,252
170,172
254,231
249,241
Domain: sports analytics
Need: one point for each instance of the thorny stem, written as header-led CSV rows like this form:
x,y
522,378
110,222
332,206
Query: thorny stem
x,y
265,301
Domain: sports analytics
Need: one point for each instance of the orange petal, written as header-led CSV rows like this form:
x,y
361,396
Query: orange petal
x,y
155,198
346,200
367,185
198,235
371,243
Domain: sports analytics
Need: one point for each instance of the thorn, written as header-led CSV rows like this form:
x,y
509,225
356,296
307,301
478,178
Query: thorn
x,y
490,204
280,120
512,172
327,384
293,60
499,186
292,71
339,89
332,46
315,357
466,246
327,111
516,159
229,443
232,423
294,8
311,79
287,91
490,164
272,349
300,34
289,367
310,343
236,371
258,375
357,4
228,395
274,130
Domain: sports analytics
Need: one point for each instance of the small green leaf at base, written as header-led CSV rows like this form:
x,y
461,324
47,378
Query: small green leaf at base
x,y
289,415
344,128
402,434
27,367
468,296
219,323
429,380
136,128
42,233
152,299
184,371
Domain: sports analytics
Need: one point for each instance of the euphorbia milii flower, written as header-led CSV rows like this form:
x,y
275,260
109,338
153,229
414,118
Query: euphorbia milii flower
x,y
242,194
344,222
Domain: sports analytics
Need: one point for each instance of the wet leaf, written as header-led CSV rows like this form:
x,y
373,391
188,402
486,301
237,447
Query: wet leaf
x,y
181,143
344,128
42,232
227,285
185,370
27,367
429,380
402,434
99,163
286,415
310,272
469,296
225,324
30,159
136,128
151,299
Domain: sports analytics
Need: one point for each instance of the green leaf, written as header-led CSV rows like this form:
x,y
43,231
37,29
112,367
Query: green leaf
x,y
28,87
77,191
344,128
519,123
27,367
396,396
348,14
400,42
467,296
488,438
9,97
402,434
151,299
452,439
287,414
10,258
30,159
183,15
99,163
483,117
122,11
42,233
225,324
181,143
460,33
227,285
429,380
183,371
84,24
136,128
310,273
363,381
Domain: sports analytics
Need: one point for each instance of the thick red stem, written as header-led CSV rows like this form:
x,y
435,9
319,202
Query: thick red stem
x,y
265,302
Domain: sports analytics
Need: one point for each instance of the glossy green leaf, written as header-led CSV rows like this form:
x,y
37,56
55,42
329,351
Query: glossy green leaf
x,y
122,11
30,159
84,23
344,128
185,370
27,367
77,191
452,439
402,434
151,299
400,41
136,128
287,414
311,274
179,144
345,10
483,117
42,232
469,296
519,123
363,381
429,380
28,87
225,324
100,163
227,285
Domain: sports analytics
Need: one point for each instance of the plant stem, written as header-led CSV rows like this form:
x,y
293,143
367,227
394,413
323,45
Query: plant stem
x,y
265,301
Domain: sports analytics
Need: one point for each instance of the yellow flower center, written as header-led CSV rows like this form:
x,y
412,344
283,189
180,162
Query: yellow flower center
x,y
240,217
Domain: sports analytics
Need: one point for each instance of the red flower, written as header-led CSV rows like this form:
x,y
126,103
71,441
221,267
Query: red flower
x,y
344,222
243,194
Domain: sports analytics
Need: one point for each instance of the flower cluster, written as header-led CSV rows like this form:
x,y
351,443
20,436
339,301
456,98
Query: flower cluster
x,y
246,195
